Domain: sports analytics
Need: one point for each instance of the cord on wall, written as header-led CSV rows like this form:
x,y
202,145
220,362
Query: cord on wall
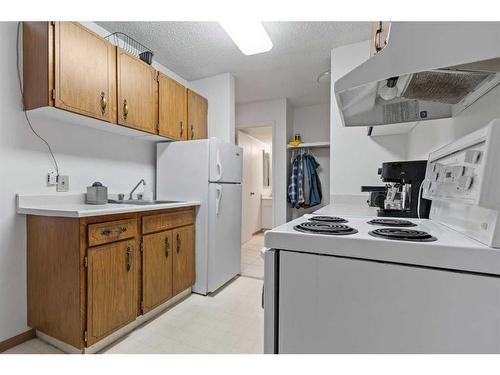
x,y
22,99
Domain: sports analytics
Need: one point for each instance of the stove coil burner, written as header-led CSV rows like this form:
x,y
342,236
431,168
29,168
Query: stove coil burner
x,y
392,222
402,234
328,219
324,228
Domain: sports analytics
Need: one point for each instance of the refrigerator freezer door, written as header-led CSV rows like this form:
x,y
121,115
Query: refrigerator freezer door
x,y
225,162
224,233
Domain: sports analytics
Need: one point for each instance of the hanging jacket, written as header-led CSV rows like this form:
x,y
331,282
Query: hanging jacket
x,y
307,184
315,189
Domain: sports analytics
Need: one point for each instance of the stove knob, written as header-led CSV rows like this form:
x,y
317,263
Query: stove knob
x,y
464,183
472,156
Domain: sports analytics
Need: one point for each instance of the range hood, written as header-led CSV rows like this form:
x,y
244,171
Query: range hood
x,y
428,70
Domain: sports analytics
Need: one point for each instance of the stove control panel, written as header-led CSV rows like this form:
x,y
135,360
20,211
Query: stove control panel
x,y
455,176
463,181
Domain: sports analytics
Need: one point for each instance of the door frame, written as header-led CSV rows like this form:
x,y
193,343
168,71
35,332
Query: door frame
x,y
263,124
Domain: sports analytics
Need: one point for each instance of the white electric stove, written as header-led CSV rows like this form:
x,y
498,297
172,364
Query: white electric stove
x,y
384,285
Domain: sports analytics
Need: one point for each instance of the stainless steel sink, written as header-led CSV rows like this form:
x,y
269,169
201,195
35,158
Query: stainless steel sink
x,y
140,202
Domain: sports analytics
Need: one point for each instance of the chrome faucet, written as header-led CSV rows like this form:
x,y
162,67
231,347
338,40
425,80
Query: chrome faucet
x,y
135,188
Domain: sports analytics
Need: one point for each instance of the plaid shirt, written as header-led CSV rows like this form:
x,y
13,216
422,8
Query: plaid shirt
x,y
292,187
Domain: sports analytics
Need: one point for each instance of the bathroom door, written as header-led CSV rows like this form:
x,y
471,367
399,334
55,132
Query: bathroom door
x,y
251,186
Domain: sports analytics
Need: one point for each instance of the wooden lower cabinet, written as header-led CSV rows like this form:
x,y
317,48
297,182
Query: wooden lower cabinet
x,y
86,276
156,269
110,289
184,273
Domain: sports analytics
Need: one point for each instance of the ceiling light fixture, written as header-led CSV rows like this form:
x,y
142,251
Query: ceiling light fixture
x,y
250,36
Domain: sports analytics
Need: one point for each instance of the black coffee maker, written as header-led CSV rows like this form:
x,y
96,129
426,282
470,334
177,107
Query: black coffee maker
x,y
400,197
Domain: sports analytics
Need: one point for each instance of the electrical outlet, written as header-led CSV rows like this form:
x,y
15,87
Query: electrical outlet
x,y
51,178
62,183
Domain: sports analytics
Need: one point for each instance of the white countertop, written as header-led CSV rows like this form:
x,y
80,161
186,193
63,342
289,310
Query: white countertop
x,y
347,209
73,205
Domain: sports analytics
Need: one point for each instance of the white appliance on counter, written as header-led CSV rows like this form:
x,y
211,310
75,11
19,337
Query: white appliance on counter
x,y
208,171
387,285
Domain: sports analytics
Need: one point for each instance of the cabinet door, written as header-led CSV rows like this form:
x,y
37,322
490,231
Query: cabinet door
x,y
183,266
111,289
172,108
137,93
156,269
85,72
197,116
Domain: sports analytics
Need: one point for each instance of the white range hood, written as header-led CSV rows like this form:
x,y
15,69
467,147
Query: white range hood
x,y
428,70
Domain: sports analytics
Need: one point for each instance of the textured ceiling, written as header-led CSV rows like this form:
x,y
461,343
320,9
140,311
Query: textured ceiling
x,y
301,51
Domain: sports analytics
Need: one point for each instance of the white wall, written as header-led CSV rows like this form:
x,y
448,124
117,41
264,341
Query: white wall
x,y
219,90
313,123
279,114
430,135
86,155
354,156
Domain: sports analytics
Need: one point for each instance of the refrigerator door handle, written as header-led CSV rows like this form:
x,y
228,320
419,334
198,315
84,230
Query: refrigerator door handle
x,y
219,167
218,199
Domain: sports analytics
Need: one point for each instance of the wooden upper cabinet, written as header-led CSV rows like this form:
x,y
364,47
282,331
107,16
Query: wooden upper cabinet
x,y
183,260
157,258
380,35
171,108
197,108
70,67
137,93
111,289
85,75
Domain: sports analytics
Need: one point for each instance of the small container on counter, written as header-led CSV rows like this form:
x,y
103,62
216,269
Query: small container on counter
x,y
97,194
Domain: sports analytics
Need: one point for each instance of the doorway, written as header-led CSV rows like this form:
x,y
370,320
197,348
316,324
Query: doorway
x,y
257,197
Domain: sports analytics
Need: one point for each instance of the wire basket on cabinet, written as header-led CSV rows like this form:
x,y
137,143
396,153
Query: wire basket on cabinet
x,y
131,45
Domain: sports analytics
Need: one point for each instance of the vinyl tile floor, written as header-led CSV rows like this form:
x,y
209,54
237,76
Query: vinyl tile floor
x,y
228,322
252,264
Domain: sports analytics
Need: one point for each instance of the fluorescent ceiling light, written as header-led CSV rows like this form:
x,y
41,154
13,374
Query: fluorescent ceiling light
x,y
250,36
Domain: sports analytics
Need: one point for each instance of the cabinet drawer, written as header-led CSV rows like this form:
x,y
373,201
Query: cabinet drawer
x,y
111,231
168,220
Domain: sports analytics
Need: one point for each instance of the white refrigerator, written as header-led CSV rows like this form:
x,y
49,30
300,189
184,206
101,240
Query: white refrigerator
x,y
208,171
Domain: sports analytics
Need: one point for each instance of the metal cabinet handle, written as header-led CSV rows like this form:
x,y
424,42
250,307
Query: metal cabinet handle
x,y
192,131
125,109
178,239
167,246
104,102
182,129
128,254
119,230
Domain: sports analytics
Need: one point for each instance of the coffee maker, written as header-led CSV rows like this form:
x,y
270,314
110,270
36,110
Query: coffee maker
x,y
400,197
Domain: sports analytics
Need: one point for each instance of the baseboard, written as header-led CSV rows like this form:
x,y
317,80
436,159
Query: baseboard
x,y
16,340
